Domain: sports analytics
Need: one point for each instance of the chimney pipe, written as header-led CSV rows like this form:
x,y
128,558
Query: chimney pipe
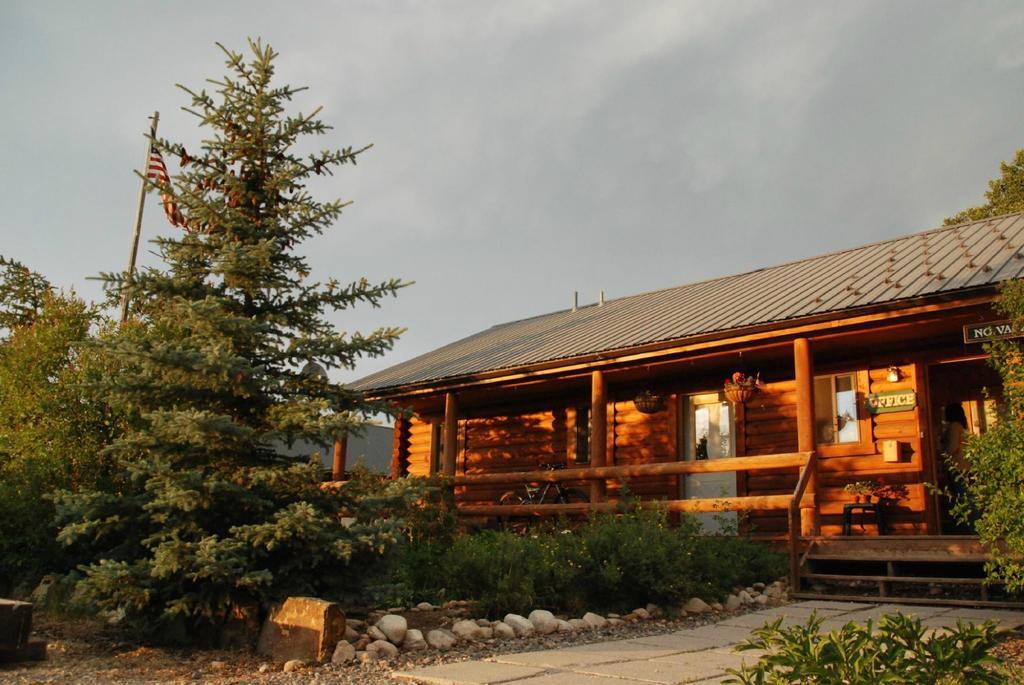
x,y
600,301
575,300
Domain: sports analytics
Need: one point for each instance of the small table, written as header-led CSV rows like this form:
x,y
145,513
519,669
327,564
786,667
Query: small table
x,y
864,508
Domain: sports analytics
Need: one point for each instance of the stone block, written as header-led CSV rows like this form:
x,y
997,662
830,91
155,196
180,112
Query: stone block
x,y
15,623
33,649
303,628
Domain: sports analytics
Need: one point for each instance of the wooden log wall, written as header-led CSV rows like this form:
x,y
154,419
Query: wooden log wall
x,y
639,438
770,426
520,442
420,435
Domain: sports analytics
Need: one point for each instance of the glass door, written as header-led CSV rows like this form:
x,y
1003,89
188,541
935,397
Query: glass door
x,y
709,433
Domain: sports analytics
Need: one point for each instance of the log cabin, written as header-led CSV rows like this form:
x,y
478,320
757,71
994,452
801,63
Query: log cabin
x,y
861,354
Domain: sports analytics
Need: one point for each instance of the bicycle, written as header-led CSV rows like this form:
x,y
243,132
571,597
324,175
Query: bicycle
x,y
537,493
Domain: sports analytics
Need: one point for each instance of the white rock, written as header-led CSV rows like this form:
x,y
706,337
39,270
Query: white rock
x,y
696,605
344,653
565,627
745,597
393,627
761,600
469,630
579,624
654,610
642,614
595,620
351,634
503,630
264,668
367,657
615,621
483,622
441,639
414,640
759,586
732,603
717,606
520,624
544,622
293,665
425,606
383,649
375,633
773,591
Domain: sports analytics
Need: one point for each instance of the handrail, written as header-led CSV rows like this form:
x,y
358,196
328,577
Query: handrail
x,y
672,468
794,520
697,505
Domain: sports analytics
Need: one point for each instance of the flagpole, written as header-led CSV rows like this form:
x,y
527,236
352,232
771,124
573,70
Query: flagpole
x,y
138,215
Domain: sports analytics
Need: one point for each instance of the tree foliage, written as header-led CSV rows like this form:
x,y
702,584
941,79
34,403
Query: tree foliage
x,y
208,510
53,426
1004,195
994,478
22,294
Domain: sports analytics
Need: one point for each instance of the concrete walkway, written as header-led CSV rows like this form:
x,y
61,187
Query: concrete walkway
x,y
698,655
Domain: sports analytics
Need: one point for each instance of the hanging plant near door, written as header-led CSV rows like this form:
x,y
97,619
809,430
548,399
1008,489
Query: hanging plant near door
x,y
649,403
740,387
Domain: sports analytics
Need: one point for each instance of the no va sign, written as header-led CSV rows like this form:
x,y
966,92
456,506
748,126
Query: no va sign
x,y
991,330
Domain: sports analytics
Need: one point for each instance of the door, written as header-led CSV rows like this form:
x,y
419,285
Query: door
x,y
709,433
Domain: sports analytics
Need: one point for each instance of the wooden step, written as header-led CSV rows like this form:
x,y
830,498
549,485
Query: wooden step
x,y
897,579
933,601
903,548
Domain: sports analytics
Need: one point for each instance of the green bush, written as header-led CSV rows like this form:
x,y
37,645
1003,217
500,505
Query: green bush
x,y
897,650
613,562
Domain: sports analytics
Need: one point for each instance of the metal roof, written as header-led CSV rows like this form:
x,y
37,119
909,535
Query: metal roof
x,y
939,261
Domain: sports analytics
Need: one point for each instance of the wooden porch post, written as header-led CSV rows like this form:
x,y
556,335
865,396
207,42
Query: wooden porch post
x,y
340,453
451,434
804,363
598,431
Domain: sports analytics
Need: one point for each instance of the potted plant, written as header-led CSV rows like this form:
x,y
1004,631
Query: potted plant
x,y
740,387
890,494
861,490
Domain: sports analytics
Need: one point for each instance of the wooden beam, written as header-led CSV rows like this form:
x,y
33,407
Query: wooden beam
x,y
710,505
598,432
669,468
340,454
804,367
451,434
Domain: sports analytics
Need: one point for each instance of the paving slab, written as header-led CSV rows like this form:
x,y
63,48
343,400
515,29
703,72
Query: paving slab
x,y
468,673
597,653
721,635
699,666
678,641
1006,618
833,605
573,678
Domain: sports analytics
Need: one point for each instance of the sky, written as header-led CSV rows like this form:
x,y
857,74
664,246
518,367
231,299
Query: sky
x,y
526,150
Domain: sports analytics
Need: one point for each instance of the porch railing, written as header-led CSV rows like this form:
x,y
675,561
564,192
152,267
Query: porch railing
x,y
800,499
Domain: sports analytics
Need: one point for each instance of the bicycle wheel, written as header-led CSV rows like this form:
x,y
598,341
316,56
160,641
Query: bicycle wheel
x,y
511,497
573,496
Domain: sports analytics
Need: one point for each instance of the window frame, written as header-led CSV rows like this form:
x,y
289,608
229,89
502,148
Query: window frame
x,y
865,444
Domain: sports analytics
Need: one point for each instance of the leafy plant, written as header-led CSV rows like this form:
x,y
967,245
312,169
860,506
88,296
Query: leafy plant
x,y
899,649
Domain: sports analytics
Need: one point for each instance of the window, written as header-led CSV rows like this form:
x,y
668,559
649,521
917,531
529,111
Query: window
x,y
582,452
436,447
836,419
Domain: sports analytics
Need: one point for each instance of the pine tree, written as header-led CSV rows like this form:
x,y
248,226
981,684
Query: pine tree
x,y
209,513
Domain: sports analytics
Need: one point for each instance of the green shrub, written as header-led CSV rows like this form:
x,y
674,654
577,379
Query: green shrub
x,y
897,650
613,562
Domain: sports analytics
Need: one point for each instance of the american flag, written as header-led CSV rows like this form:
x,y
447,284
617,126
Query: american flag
x,y
157,171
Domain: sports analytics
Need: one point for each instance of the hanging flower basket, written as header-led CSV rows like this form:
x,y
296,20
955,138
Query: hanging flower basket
x,y
738,394
648,403
740,387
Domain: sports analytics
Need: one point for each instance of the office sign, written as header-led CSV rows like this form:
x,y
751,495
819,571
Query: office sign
x,y
894,400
